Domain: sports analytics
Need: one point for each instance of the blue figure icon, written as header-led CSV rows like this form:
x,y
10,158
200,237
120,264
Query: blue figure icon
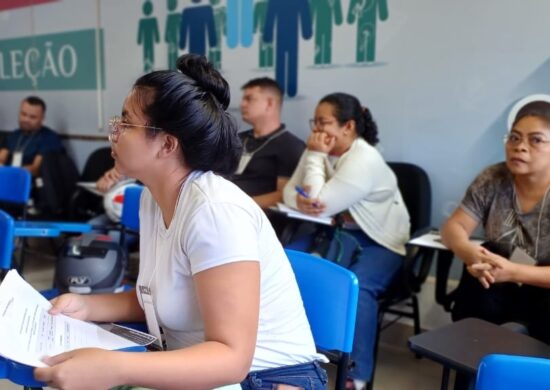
x,y
148,35
289,15
240,15
197,22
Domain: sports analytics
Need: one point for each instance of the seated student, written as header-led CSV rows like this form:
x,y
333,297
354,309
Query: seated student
x,y
343,173
212,273
270,151
27,145
510,200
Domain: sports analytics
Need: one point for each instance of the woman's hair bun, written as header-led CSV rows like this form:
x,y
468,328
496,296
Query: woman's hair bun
x,y
206,76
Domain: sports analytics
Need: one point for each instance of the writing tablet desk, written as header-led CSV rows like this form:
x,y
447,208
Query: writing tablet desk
x,y
460,346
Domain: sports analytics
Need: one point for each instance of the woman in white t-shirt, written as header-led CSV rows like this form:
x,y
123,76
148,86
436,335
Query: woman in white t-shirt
x,y
341,172
213,278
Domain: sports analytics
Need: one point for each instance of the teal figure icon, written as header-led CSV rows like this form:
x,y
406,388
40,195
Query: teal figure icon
x,y
148,35
239,23
172,32
324,13
215,52
366,13
197,25
265,56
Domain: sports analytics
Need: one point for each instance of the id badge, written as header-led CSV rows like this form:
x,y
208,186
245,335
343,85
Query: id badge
x,y
520,256
17,159
243,162
151,316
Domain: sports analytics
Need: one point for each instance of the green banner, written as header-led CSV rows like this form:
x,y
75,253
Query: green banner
x,y
62,61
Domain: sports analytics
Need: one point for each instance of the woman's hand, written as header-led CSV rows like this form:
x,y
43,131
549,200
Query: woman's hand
x,y
478,268
309,205
108,180
321,142
72,305
81,369
500,268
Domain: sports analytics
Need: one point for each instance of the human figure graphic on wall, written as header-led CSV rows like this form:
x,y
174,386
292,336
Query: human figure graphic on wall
x,y
148,35
172,32
265,56
323,14
197,23
366,12
287,16
239,22
215,52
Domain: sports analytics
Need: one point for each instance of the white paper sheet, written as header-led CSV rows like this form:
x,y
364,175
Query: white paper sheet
x,y
90,186
29,333
293,213
432,239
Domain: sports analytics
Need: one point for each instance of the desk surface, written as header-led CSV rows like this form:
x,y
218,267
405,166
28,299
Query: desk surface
x,y
462,344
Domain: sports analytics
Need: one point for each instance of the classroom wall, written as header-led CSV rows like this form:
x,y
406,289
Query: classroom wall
x,y
443,77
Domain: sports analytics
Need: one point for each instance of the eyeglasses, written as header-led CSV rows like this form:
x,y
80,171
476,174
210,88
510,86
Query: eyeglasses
x,y
319,124
117,127
535,141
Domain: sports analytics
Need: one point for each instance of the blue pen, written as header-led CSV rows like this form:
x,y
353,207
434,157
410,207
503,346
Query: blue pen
x,y
301,191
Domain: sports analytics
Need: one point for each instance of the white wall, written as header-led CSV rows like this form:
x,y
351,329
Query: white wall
x,y
446,74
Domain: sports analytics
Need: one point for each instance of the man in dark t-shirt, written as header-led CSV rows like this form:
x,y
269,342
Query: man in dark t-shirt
x,y
270,151
25,146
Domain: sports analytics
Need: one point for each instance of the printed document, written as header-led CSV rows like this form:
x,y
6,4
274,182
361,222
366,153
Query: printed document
x,y
29,333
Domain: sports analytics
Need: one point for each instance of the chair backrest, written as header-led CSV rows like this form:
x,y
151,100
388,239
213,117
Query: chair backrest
x,y
130,208
6,240
330,294
98,162
509,372
416,190
15,185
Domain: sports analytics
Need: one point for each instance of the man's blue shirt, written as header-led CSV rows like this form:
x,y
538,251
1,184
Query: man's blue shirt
x,y
32,143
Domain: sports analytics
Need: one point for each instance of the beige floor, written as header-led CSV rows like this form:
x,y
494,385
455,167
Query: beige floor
x,y
397,367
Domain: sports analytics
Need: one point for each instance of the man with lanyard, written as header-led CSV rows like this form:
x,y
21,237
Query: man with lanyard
x,y
25,146
270,151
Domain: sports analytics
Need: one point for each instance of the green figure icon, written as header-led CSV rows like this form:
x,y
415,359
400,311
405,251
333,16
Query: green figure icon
x,y
324,13
367,13
265,59
148,35
215,52
172,33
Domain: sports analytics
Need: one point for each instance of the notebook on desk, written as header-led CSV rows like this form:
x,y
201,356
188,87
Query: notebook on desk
x,y
293,213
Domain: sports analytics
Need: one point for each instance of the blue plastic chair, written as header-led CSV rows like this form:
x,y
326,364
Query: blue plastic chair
x,y
6,240
130,208
330,294
511,372
15,187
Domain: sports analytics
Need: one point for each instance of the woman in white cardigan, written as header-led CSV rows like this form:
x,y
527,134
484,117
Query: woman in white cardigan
x,y
341,172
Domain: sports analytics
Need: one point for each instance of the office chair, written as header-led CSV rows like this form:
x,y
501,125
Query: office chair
x,y
330,294
401,297
511,372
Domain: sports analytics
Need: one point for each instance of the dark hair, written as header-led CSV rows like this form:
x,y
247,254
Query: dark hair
x,y
347,107
265,83
539,108
191,105
36,101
